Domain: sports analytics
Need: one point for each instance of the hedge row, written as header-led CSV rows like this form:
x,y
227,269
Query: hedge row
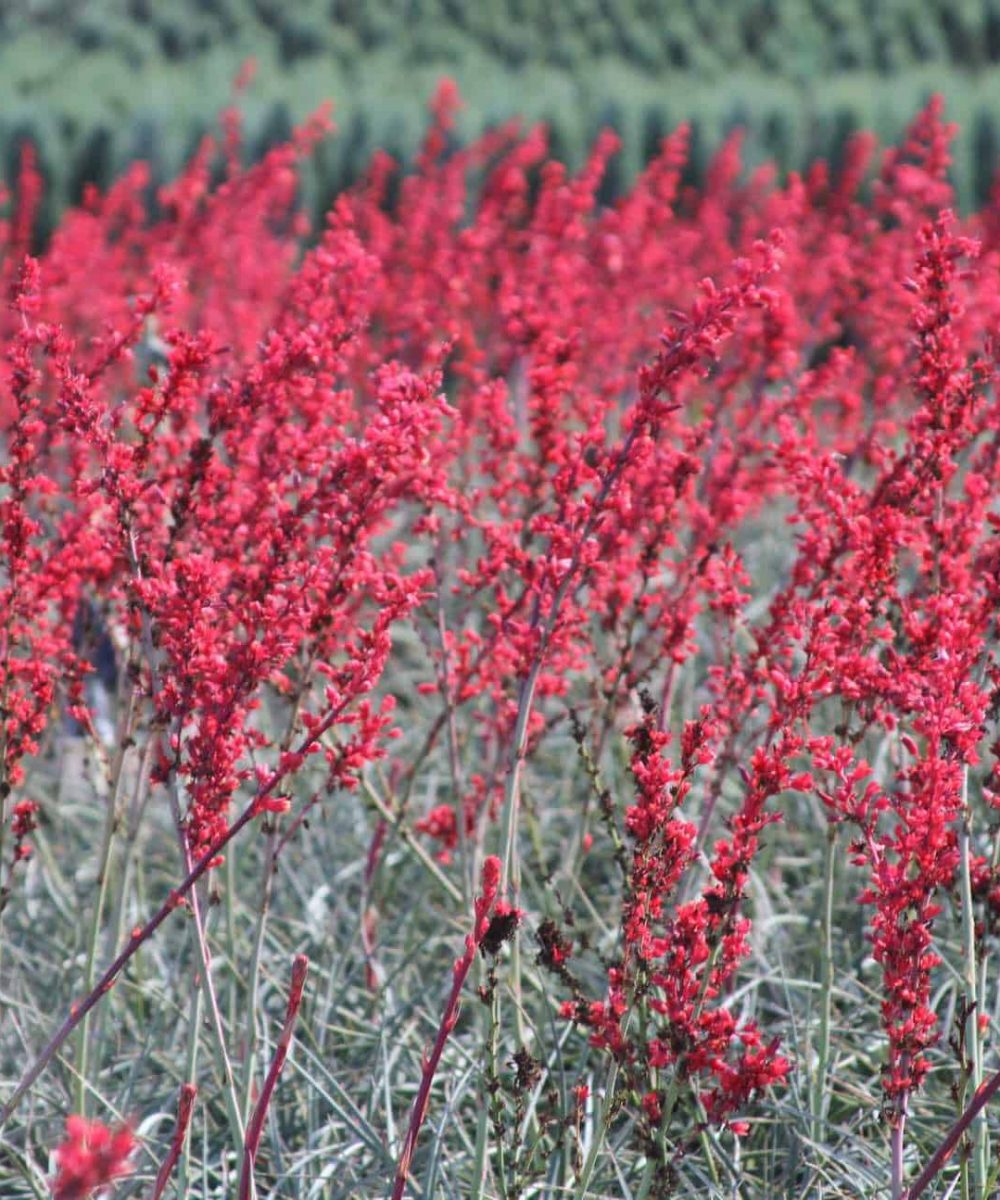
x,y
96,84
791,37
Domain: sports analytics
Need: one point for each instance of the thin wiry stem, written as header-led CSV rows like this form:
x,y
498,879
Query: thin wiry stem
x,y
300,968
141,934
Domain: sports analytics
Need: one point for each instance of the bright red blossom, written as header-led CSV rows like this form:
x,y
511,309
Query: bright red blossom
x,y
710,474
91,1157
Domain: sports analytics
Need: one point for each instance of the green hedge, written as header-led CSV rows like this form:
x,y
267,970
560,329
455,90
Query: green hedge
x,y
96,83
791,37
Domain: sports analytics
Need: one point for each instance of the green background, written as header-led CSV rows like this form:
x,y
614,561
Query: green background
x,y
96,83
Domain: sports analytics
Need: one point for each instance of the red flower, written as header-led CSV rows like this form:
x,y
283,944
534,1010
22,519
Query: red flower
x,y
91,1157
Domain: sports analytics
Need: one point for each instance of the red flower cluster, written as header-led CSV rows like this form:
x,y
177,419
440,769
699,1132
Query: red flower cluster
x,y
561,441
91,1157
680,956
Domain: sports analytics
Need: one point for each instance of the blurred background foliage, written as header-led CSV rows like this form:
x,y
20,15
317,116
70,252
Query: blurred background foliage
x,y
97,83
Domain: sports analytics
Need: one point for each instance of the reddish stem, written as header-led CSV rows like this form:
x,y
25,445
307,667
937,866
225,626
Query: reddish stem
x,y
185,1106
898,1144
982,1097
140,935
483,907
300,967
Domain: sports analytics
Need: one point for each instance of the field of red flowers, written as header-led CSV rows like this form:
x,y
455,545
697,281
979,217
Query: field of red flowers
x,y
499,694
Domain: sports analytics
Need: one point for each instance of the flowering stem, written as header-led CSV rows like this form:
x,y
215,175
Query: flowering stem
x,y
5,786
467,867
272,848
673,1091
300,969
223,1060
495,1104
511,868
600,1132
229,889
430,1067
253,975
512,791
127,846
222,1054
940,1156
510,876
483,908
142,934
897,1146
826,980
191,1065
113,823
185,1106
103,873
973,1040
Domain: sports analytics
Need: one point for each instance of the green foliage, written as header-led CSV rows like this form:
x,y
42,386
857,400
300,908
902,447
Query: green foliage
x,y
792,37
94,83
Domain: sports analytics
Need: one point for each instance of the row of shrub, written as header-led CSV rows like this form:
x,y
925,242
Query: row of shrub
x,y
99,84
786,36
